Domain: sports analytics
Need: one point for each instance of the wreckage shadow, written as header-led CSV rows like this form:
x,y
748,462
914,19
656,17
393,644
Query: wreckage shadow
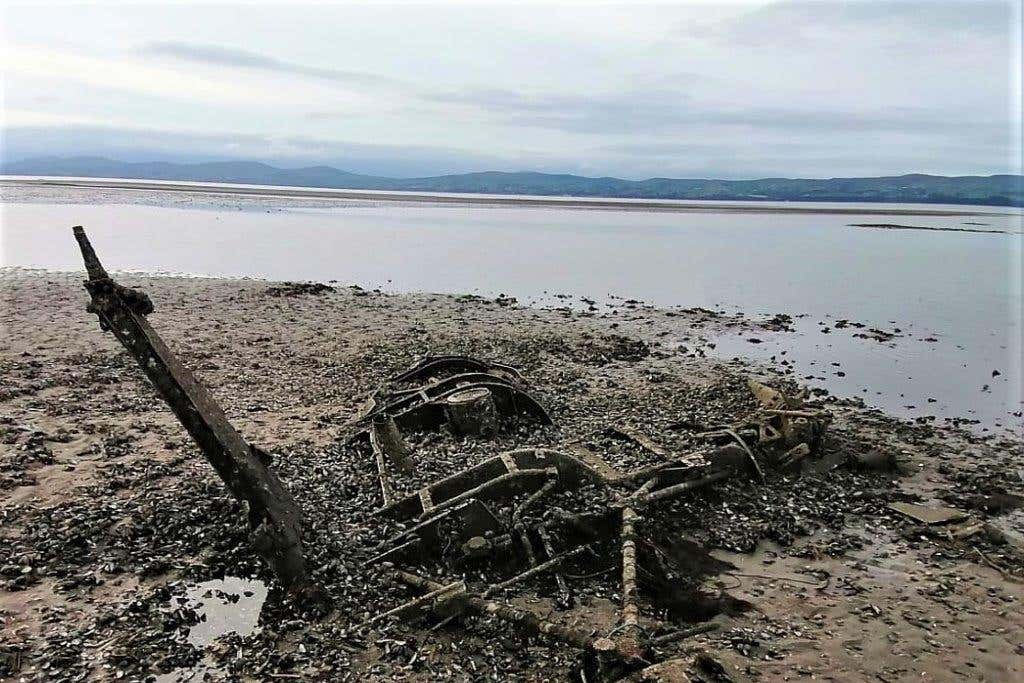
x,y
672,577
672,572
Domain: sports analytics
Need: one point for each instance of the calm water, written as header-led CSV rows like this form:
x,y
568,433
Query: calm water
x,y
962,290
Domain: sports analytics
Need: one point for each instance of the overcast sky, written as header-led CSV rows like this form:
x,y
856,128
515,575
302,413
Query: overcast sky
x,y
809,89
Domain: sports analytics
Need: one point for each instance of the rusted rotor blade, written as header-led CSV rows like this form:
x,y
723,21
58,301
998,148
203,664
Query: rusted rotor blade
x,y
274,516
93,266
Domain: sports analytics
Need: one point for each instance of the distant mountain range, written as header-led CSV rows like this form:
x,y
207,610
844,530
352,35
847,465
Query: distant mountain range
x,y
997,190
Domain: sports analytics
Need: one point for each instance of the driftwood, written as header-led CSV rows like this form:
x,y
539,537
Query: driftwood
x,y
274,517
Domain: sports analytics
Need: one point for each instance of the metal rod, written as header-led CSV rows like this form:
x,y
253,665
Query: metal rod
x,y
672,491
563,588
527,621
630,609
534,571
417,603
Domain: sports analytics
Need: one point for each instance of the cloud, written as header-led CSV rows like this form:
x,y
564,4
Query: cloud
x,y
669,111
217,55
39,62
290,150
805,23
573,112
708,156
780,88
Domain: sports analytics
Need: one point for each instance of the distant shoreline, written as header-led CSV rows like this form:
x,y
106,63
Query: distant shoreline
x,y
620,204
895,226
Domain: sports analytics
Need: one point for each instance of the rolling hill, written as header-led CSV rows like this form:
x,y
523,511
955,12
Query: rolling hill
x,y
997,190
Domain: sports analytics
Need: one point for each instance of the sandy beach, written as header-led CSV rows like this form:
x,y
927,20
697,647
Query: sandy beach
x,y
110,513
464,342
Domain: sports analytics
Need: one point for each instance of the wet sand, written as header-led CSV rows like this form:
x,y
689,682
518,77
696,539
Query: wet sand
x,y
752,206
109,513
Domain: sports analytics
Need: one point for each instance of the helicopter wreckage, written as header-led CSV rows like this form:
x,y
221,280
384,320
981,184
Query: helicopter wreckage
x,y
485,517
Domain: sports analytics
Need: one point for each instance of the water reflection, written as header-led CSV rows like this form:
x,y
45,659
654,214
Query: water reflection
x,y
228,605
960,289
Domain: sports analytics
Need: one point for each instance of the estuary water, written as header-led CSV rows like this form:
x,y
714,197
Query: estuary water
x,y
948,278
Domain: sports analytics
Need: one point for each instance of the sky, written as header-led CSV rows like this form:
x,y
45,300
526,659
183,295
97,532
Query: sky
x,y
697,89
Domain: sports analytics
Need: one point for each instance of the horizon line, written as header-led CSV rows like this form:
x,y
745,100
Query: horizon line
x,y
311,165
478,198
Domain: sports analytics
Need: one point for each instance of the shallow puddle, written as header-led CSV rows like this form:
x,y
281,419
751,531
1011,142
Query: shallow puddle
x,y
229,605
